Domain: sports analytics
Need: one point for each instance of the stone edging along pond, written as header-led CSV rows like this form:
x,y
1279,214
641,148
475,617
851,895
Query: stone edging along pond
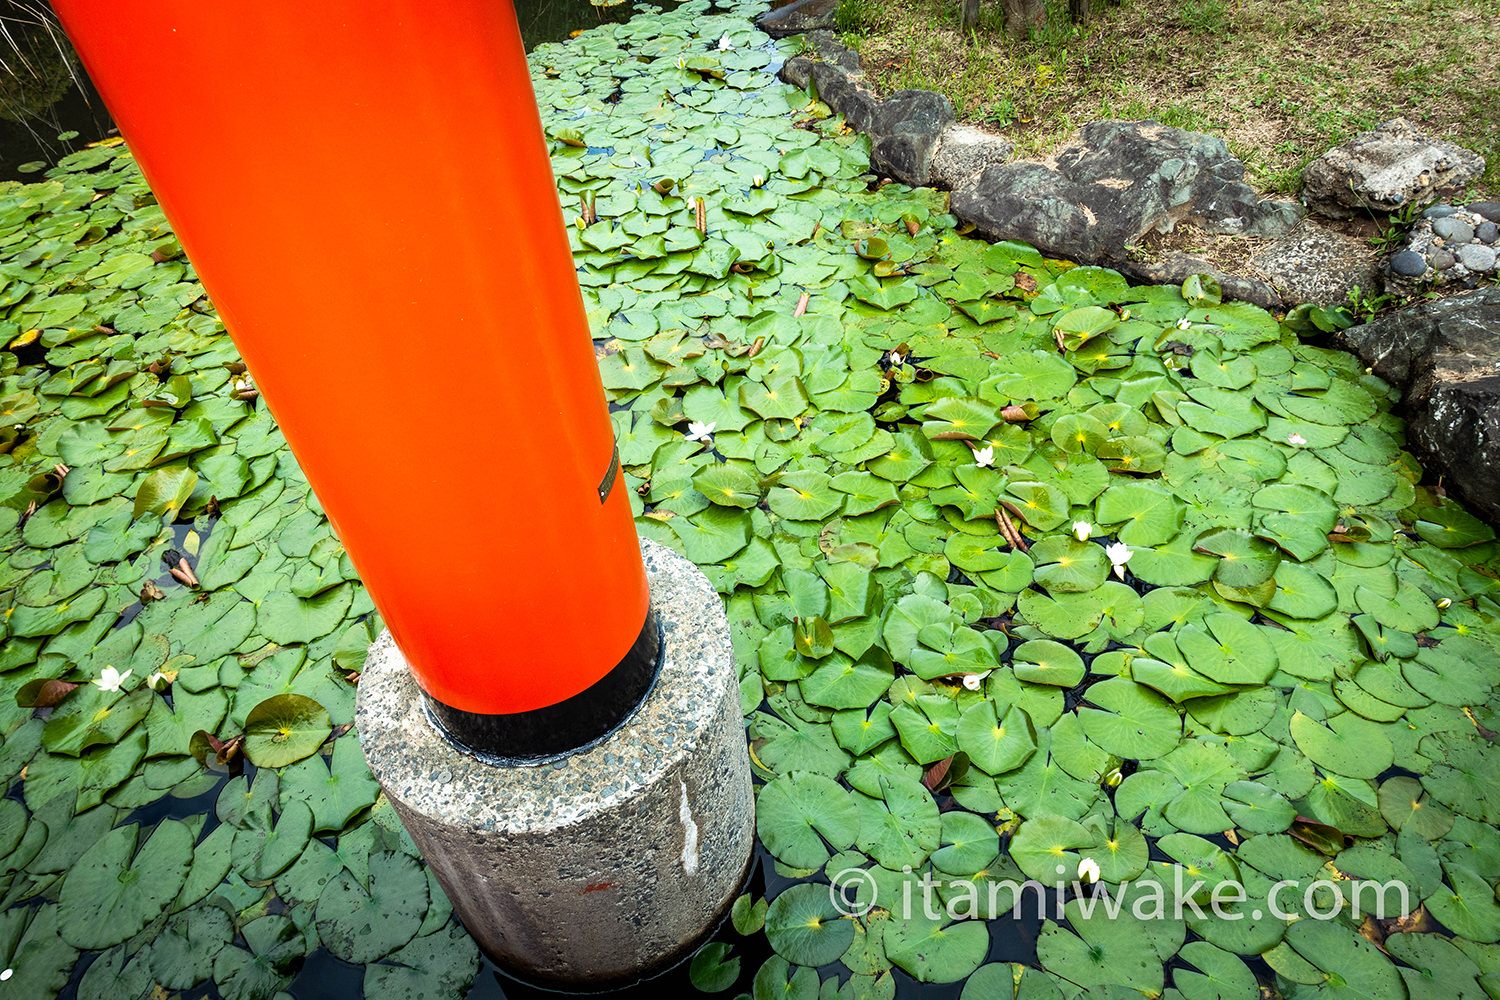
x,y
1097,199
1094,201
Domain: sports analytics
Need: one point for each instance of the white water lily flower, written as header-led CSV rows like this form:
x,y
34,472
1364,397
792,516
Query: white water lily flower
x,y
1082,529
110,679
896,358
700,432
1088,870
1184,323
974,682
6,974
758,180
157,681
725,44
984,457
1119,554
1296,439
1445,603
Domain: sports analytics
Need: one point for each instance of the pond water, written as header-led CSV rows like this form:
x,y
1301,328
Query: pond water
x,y
49,107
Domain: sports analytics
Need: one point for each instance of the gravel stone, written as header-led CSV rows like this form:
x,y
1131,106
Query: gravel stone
x,y
1452,230
1409,264
1489,209
1441,260
1439,212
1487,232
1476,257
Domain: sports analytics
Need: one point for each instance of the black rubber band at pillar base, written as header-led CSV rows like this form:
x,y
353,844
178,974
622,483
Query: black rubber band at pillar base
x,y
547,734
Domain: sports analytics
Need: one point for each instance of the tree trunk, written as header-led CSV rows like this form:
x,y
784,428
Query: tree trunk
x,y
969,15
1079,10
1023,15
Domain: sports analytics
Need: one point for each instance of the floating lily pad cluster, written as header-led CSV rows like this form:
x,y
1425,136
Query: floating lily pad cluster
x,y
1029,572
175,610
1028,568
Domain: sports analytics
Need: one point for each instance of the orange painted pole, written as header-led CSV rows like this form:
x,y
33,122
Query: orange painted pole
x,y
365,192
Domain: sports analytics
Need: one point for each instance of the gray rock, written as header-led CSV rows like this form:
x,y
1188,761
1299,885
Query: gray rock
x,y
1489,209
1385,168
1439,212
829,49
847,60
1236,210
963,152
1409,264
833,84
857,106
1123,180
1402,345
1456,424
1029,202
797,71
1314,264
798,17
1441,260
1477,257
1445,356
1452,230
1487,232
904,128
911,111
906,156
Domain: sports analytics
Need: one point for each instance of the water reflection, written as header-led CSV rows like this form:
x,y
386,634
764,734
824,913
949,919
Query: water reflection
x,y
44,93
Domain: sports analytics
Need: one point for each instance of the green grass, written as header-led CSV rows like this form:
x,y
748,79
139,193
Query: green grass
x,y
1281,82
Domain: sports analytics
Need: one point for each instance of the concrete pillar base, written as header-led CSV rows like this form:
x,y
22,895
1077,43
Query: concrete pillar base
x,y
612,863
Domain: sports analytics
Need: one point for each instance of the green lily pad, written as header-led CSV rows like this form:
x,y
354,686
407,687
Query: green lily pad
x,y
265,967
1046,848
440,966
1101,952
1244,560
183,955
36,955
938,950
1350,965
1346,745
114,891
261,850
803,818
1068,566
1130,720
993,744
1043,661
900,828
287,619
361,923
284,729
804,926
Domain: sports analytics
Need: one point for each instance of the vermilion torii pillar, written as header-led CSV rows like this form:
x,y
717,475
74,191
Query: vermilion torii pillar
x,y
365,193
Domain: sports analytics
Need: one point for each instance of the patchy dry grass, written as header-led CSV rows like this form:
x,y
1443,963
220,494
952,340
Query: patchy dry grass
x,y
1280,80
